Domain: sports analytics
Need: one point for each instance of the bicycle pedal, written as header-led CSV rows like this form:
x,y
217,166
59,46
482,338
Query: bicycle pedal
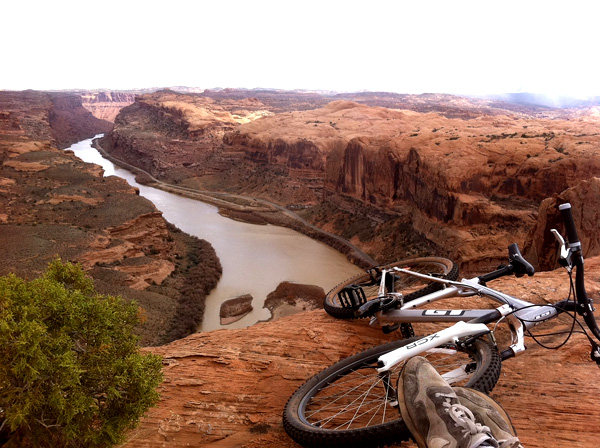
x,y
352,296
407,331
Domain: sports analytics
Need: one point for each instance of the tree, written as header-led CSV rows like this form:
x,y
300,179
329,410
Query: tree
x,y
71,373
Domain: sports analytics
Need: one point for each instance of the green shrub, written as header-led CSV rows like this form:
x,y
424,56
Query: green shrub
x,y
71,373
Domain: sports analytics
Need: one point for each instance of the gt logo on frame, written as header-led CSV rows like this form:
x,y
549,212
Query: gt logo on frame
x,y
443,312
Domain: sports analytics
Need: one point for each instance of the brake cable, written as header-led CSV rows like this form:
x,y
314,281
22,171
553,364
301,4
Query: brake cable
x,y
569,333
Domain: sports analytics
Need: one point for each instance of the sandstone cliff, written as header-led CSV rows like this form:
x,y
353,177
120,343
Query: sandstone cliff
x,y
583,198
465,182
71,122
470,186
227,388
106,105
185,127
59,117
53,204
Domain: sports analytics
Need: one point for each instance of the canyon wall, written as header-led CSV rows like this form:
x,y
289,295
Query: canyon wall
x,y
584,198
106,105
71,122
53,204
174,136
56,117
471,186
465,182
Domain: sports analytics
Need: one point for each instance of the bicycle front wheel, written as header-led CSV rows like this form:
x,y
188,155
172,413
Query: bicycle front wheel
x,y
351,405
343,300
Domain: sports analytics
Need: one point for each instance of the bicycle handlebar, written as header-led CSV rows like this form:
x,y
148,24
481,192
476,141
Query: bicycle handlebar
x,y
567,214
516,265
584,303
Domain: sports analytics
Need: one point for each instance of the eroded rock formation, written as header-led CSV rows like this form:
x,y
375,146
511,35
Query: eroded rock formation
x,y
174,135
291,298
106,105
465,182
71,122
53,204
470,186
583,198
41,116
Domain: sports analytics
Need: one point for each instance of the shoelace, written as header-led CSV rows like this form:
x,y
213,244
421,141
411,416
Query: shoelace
x,y
464,419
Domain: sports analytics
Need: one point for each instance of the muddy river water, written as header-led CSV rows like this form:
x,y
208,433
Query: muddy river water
x,y
255,258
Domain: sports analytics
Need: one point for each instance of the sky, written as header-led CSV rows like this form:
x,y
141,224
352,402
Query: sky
x,y
417,46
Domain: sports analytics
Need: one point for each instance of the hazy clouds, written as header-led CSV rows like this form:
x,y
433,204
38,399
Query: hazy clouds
x,y
414,47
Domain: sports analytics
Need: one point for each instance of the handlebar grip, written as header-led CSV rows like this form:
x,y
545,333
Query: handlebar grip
x,y
565,210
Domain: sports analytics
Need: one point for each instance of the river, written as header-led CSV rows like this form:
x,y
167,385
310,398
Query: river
x,y
255,258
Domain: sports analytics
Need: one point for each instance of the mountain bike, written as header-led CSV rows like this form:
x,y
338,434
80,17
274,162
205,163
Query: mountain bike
x,y
353,403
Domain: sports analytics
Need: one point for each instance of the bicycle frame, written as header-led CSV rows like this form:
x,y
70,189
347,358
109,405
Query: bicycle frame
x,y
522,315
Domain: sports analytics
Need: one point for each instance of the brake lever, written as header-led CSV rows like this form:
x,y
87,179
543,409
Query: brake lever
x,y
564,253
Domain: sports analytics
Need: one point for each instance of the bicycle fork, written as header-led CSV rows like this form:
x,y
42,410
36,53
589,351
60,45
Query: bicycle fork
x,y
390,390
451,334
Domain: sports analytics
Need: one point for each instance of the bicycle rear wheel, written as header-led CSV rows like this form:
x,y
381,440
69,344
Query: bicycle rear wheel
x,y
351,405
343,300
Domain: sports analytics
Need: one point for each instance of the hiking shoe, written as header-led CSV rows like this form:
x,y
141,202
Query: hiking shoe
x,y
489,413
432,412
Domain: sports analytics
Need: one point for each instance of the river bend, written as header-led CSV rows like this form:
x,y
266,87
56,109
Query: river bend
x,y
255,258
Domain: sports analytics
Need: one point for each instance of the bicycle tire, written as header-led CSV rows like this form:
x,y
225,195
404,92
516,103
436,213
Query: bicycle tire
x,y
366,284
314,426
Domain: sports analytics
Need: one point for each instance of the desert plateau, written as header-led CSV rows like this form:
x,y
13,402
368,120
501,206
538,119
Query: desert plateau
x,y
396,181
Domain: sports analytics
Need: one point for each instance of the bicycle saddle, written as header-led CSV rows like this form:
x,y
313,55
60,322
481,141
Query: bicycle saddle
x,y
519,264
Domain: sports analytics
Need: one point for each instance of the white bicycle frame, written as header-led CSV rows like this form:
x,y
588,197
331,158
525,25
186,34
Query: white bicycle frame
x,y
522,315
